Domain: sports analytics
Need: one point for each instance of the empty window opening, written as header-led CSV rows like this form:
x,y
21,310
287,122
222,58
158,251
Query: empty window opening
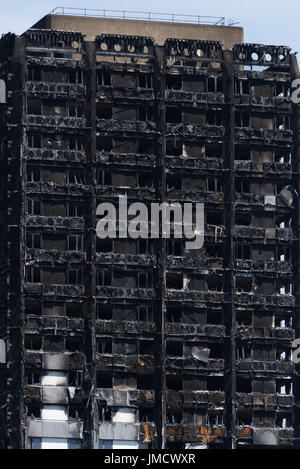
x,y
32,377
174,281
244,318
74,310
33,241
75,110
243,284
174,417
74,344
213,150
104,111
174,181
32,307
145,179
33,275
74,277
145,146
242,153
244,352
103,78
104,346
104,245
243,252
104,177
104,312
145,382
145,80
215,383
174,349
243,219
242,119
33,207
173,82
244,385
34,107
214,118
174,248
173,115
174,382
174,148
104,143
145,313
214,283
146,347
104,380
104,278
33,342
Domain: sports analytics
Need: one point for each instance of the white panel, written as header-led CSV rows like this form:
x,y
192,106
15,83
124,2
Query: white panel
x,y
54,443
124,415
2,351
54,412
195,446
123,444
2,92
54,378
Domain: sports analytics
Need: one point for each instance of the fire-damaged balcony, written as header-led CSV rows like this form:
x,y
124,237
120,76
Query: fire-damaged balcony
x,y
272,169
55,223
48,90
194,99
113,94
125,259
52,189
54,257
272,234
108,126
194,130
126,159
205,164
51,290
40,121
263,136
45,154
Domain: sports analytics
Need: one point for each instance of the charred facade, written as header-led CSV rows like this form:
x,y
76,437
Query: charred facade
x,y
140,344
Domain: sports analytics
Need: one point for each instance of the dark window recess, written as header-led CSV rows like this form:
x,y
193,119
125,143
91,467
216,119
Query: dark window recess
x,y
174,148
75,76
74,277
104,177
145,313
75,412
104,312
32,377
174,181
33,175
174,314
103,278
75,210
75,378
242,153
103,78
173,82
146,415
174,349
74,344
75,110
33,275
104,245
34,141
173,115
174,382
242,119
76,176
244,385
145,179
33,411
104,111
145,80
104,380
74,310
75,243
33,207
104,345
75,143
174,248
214,118
34,106
33,241
174,417
146,347
34,74
33,308
145,382
174,282
33,342
215,383
104,143
144,114
145,146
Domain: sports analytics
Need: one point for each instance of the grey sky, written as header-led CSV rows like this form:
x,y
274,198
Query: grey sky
x,y
264,21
